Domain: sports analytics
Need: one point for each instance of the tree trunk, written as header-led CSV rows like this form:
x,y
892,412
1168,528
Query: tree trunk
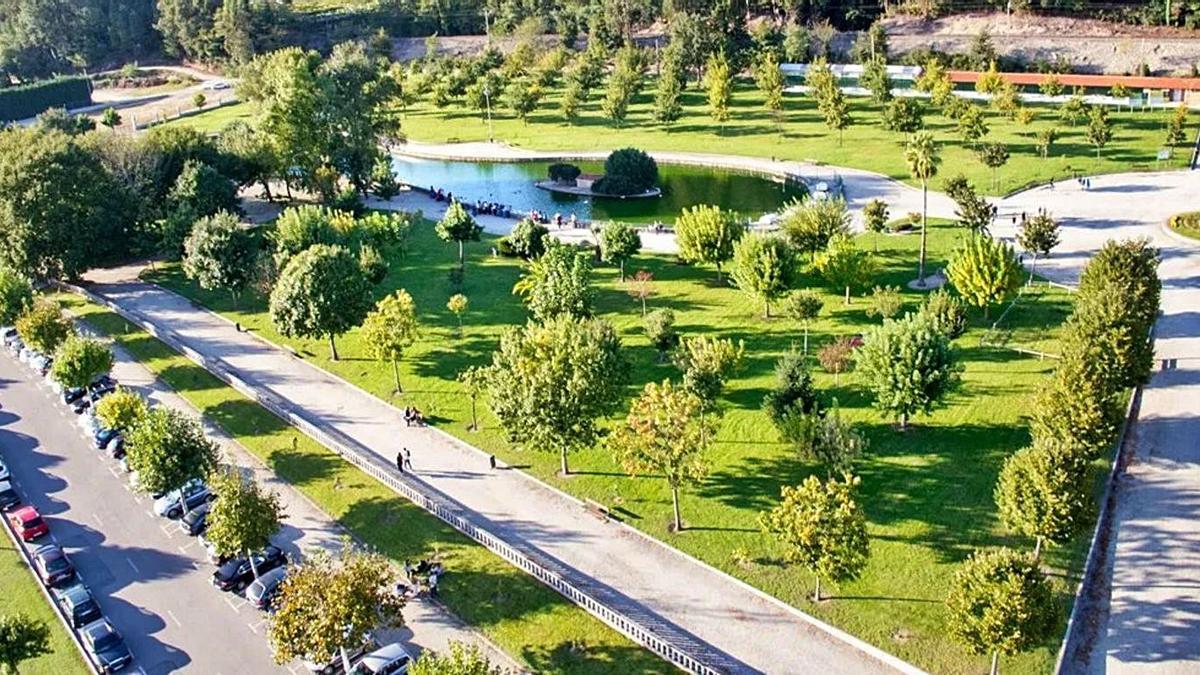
x,y
817,595
460,255
924,231
333,347
622,270
675,508
460,333
768,304
643,306
396,376
903,421
235,295
345,659
1037,550
718,272
474,418
562,459
1032,268
847,295
183,509
806,338
253,567
995,663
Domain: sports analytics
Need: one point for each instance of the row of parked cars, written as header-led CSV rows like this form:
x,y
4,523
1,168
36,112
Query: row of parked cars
x,y
53,567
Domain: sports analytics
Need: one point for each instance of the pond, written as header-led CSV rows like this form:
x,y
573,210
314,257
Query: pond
x,y
511,184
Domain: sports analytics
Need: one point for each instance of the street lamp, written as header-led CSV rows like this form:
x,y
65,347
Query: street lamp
x,y
487,97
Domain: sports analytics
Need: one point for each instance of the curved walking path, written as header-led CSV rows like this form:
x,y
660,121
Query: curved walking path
x,y
1153,619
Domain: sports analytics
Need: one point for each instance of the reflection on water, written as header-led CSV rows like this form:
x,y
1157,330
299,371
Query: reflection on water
x,y
682,186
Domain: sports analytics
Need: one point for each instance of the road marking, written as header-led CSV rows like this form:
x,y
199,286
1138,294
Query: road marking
x,y
172,615
237,608
135,569
98,521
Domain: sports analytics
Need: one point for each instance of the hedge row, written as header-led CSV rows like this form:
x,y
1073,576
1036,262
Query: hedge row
x,y
27,100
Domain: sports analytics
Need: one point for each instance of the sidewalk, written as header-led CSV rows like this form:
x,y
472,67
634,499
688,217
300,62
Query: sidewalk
x,y
1153,622
306,529
650,577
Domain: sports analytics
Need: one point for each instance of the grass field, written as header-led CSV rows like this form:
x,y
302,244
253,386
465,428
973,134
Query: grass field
x,y
528,620
927,493
215,119
19,594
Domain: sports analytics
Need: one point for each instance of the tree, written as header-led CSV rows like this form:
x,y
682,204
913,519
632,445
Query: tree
x,y
660,330
244,516
619,242
668,104
971,124
994,156
1006,99
706,363
121,410
474,382
973,212
764,267
989,81
984,271
1072,110
875,217
875,78
1042,493
769,79
641,286
793,392
1099,129
16,295
821,527
43,326
167,449
257,158
458,225
461,659
1175,128
935,81
665,432
220,254
200,190
908,365
110,118
22,639
1045,141
823,436
718,79
1038,235
905,115
78,361
549,383
1051,86
844,265
321,293
558,283
329,605
391,328
1001,602
836,112
804,306
945,313
836,356
528,239
922,156
886,302
812,225
457,305
707,234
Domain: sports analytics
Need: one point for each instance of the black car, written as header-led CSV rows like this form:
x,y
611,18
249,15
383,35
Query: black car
x,y
194,522
52,565
95,391
105,645
77,603
8,496
72,394
104,436
236,574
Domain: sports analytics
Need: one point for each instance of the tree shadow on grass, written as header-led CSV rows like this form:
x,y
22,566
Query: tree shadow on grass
x,y
585,658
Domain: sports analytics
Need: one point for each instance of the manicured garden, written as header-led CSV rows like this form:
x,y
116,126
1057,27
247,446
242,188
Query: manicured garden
x,y
1187,224
927,492
21,595
531,622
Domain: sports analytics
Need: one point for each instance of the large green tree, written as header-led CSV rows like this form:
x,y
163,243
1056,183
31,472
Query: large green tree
x,y
764,267
1000,602
810,226
21,639
558,283
167,449
78,361
457,225
321,293
244,516
550,383
984,271
390,329
706,363
822,528
665,433
121,410
908,366
220,254
707,234
1043,493
844,265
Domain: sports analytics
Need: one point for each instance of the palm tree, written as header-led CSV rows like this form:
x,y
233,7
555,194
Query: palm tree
x,y
922,156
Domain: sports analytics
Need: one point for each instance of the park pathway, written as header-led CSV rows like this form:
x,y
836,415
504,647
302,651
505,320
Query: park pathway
x,y
1153,619
744,624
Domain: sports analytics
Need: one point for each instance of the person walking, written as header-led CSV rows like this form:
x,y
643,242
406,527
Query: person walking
x,y
492,461
408,459
400,461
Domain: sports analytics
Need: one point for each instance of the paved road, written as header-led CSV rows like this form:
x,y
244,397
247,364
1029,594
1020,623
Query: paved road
x,y
152,585
651,577
1154,620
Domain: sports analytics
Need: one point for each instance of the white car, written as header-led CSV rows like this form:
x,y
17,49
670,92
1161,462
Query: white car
x,y
391,659
216,85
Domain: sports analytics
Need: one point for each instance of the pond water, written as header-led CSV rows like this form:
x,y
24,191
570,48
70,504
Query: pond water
x,y
512,184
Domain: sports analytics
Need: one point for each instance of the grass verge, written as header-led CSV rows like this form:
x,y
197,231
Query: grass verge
x,y
1186,224
19,594
927,493
526,619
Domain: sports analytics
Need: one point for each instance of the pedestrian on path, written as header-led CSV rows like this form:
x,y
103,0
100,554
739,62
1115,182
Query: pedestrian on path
x,y
492,461
400,461
408,459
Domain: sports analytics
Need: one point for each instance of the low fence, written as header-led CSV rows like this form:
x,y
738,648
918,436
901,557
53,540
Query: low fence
x,y
661,637
159,118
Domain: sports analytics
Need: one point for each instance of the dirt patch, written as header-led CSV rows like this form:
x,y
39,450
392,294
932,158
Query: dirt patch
x,y
1028,25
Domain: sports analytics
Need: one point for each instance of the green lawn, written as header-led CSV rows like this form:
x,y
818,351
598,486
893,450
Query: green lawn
x,y
528,620
1186,224
19,594
214,119
927,492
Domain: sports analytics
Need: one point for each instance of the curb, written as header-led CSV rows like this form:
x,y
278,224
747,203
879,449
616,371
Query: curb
x,y
836,633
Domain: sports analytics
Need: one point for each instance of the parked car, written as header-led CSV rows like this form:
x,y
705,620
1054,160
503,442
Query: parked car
x,y
263,589
8,496
334,667
28,523
3,470
116,448
78,604
53,565
14,344
106,646
8,334
89,424
103,437
236,574
194,493
41,363
72,394
195,521
391,659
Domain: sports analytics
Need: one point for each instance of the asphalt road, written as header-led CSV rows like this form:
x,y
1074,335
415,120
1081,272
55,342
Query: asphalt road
x,y
150,580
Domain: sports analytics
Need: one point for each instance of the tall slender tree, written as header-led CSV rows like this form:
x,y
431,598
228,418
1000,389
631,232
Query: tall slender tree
x,y
922,156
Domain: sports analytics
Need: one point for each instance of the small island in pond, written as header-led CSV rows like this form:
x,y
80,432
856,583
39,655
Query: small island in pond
x,y
628,174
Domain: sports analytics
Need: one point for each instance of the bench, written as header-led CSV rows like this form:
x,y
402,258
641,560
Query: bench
x,y
596,508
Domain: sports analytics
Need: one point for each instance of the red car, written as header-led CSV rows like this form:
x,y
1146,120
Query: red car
x,y
28,523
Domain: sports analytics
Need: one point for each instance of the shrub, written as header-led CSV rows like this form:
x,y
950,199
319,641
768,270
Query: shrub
x,y
628,171
29,100
528,239
1188,223
945,312
793,391
347,200
660,329
561,172
886,302
835,356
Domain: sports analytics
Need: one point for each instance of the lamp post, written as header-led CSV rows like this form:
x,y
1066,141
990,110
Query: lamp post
x,y
487,97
